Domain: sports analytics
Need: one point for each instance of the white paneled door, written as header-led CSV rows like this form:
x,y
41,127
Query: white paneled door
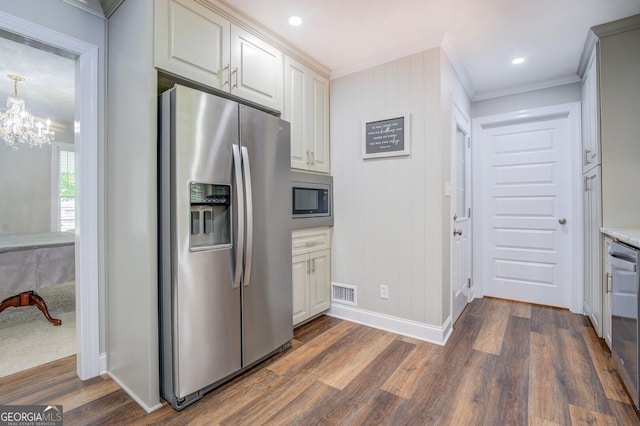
x,y
527,209
461,223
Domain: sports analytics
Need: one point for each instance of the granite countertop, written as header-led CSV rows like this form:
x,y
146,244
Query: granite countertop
x,y
629,236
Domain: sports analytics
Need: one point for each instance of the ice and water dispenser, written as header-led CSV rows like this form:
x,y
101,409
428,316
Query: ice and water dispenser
x,y
210,220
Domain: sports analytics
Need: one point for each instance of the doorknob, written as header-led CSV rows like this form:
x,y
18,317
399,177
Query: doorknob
x,y
562,221
457,232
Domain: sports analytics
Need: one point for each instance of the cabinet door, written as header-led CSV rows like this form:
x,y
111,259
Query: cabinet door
x,y
593,256
319,127
295,110
306,107
590,130
256,69
587,213
192,42
606,295
301,267
320,281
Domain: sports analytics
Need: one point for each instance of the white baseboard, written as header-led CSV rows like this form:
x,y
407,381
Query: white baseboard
x,y
102,362
414,329
134,397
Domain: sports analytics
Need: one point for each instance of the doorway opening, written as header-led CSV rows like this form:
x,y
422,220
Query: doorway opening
x,y
461,220
85,130
37,222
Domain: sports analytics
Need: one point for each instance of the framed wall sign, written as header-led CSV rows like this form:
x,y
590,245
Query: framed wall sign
x,y
387,137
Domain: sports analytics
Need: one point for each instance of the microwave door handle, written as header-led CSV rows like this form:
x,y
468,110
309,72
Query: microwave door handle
x,y
246,167
237,165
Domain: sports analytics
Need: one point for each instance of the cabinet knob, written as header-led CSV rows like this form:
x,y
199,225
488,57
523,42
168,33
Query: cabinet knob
x,y
562,221
457,232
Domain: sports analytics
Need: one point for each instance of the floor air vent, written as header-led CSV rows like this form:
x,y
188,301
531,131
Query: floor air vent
x,y
345,294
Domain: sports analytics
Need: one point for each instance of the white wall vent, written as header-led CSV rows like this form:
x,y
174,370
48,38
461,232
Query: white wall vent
x,y
344,294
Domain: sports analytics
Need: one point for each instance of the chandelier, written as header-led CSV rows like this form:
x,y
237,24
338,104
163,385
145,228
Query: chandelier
x,y
16,124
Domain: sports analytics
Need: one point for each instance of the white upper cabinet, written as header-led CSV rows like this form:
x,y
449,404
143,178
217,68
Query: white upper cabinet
x,y
590,127
306,107
193,42
256,69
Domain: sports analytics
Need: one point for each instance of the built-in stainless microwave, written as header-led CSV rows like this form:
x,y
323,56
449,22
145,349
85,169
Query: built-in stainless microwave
x,y
311,200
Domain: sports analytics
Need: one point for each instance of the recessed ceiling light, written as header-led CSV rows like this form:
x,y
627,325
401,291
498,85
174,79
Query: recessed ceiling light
x,y
295,21
517,61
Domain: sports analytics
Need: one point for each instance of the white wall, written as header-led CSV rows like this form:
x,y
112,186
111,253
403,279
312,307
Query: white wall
x,y
72,21
132,327
535,99
391,222
26,189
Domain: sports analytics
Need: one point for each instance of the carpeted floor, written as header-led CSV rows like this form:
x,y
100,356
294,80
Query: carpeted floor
x,y
28,339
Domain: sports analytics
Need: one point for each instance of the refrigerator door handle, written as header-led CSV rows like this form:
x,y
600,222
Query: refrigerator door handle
x,y
237,164
246,167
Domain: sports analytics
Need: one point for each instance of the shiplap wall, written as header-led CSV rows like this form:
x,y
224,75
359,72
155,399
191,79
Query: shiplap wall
x,y
391,221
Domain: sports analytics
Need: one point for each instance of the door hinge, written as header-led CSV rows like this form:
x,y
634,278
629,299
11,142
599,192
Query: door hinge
x,y
469,213
468,282
586,184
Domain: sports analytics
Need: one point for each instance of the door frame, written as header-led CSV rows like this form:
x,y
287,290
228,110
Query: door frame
x,y
86,141
572,112
460,121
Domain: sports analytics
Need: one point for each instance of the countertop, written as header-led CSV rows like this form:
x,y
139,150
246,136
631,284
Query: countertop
x,y
629,236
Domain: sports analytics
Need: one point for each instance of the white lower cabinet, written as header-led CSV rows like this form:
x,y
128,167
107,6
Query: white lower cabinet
x,y
593,301
606,294
311,273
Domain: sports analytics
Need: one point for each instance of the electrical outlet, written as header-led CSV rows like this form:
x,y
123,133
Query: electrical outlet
x,y
384,292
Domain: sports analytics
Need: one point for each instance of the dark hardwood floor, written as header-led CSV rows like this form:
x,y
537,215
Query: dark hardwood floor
x,y
506,363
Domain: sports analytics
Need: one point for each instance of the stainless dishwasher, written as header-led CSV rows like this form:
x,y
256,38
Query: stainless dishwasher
x,y
624,311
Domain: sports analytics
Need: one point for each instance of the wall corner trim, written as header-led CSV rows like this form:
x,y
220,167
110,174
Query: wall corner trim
x,y
133,396
417,330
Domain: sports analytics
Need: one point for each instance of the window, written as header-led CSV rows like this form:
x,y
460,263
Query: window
x,y
64,187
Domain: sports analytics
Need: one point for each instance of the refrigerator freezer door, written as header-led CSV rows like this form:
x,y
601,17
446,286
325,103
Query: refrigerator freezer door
x,y
206,307
267,299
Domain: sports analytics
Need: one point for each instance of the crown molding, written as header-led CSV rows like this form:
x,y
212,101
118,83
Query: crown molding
x,y
589,45
604,30
525,88
388,56
259,30
615,27
458,65
110,6
92,6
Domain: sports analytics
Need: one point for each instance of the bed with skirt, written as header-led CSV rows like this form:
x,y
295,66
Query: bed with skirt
x,y
29,262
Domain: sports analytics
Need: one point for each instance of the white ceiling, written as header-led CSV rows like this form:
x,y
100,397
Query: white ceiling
x,y
481,36
49,86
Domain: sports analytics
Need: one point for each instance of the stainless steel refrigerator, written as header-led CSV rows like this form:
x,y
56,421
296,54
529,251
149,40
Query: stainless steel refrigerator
x,y
224,241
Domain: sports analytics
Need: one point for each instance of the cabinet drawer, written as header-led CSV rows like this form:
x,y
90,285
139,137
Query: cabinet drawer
x,y
308,240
